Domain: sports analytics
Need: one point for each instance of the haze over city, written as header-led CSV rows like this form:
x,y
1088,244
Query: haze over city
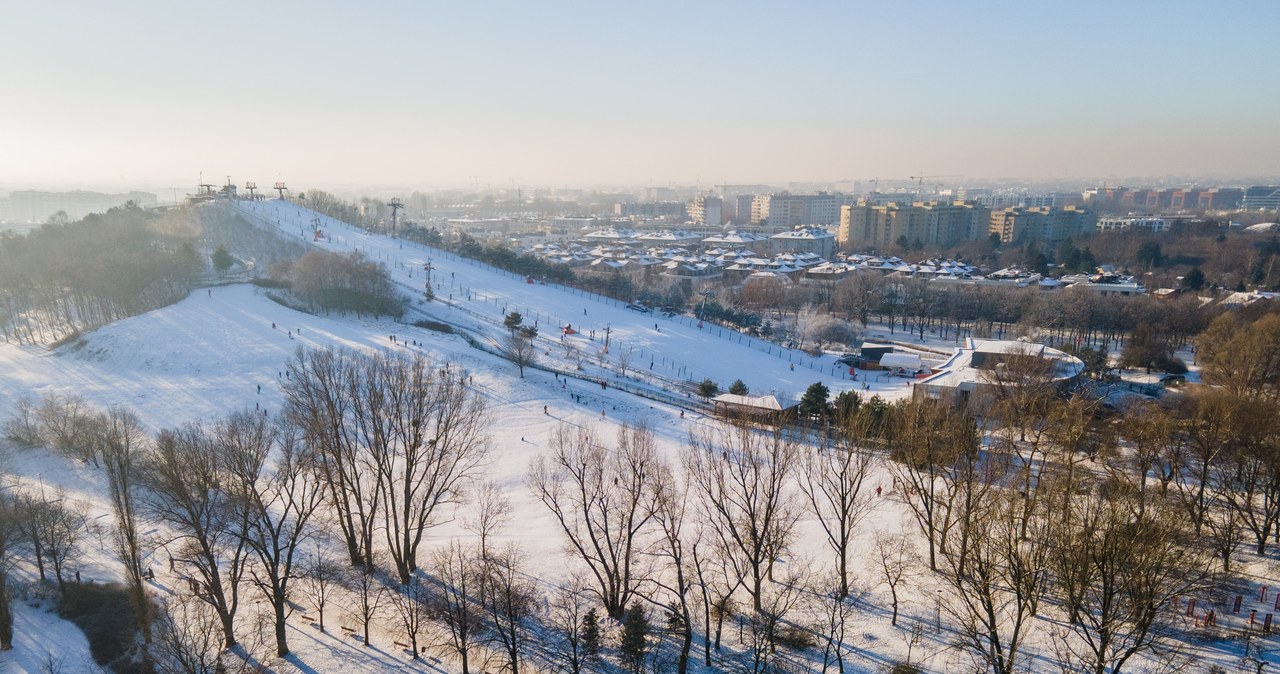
x,y
436,94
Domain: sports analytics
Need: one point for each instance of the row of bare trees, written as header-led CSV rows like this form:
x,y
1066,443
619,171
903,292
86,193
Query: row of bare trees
x,y
688,537
395,438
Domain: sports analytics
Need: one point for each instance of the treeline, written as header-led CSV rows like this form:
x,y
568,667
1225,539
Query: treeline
x,y
326,281
58,280
1075,316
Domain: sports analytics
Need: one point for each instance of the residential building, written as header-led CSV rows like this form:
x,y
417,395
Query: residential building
x,y
742,210
932,224
707,210
1015,225
814,240
785,210
672,210
1149,223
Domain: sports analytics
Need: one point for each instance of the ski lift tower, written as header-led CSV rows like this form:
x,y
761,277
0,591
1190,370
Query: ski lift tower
x,y
702,311
395,205
280,187
251,187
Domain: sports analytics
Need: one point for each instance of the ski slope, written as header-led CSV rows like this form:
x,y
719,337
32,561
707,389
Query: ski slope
x,y
208,355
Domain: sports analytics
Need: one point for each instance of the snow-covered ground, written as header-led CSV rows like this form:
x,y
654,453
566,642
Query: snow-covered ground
x,y
208,355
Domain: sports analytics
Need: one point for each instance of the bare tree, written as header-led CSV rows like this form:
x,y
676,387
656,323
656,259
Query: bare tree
x,y
121,442
457,602
833,480
1118,572
997,581
670,506
425,432
507,598
184,473
717,580
519,348
9,534
54,527
320,390
370,594
566,614
1214,419
276,503
892,555
491,512
188,636
763,627
599,497
412,605
931,442
741,476
23,424
69,425
836,612
1025,387
321,577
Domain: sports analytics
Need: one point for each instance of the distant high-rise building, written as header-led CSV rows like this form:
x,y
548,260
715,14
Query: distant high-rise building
x,y
660,194
1014,225
869,225
707,210
672,210
742,212
785,211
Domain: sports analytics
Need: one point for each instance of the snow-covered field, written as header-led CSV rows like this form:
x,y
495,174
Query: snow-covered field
x,y
208,355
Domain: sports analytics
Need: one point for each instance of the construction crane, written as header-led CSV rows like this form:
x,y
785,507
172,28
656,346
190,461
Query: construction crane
x,y
875,182
395,205
920,180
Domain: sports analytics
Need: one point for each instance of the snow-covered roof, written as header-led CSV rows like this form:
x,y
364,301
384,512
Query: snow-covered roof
x,y
906,361
765,402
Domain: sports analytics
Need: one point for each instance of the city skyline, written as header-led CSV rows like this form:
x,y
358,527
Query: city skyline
x,y
549,94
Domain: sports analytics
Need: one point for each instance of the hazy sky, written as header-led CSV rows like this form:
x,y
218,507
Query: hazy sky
x,y
434,93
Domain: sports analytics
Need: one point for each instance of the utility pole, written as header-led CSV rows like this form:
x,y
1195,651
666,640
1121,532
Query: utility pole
x,y
607,329
395,205
702,311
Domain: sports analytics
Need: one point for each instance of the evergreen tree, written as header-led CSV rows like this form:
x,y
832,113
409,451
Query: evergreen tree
x,y
708,388
846,404
1194,280
814,401
513,320
1149,255
738,388
635,630
591,634
222,260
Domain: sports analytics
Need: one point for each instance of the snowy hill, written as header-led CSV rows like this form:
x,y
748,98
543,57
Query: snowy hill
x,y
223,349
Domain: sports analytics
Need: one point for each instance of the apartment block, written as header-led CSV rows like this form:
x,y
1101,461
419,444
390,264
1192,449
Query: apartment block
x,y
931,223
1015,225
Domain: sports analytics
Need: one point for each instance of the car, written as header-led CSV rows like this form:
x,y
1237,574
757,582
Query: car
x,y
638,307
